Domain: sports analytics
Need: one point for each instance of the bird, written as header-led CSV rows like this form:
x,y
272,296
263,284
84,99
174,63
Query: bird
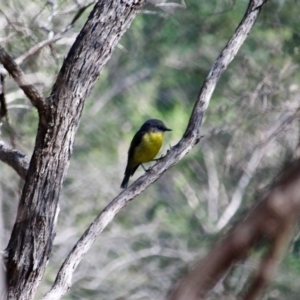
x,y
144,146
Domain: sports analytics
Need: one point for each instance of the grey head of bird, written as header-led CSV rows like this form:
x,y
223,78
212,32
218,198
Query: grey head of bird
x,y
154,125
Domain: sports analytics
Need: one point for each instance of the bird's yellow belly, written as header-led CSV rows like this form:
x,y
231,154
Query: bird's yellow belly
x,y
149,147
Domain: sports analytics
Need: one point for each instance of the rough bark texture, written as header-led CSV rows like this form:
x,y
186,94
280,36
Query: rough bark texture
x,y
31,240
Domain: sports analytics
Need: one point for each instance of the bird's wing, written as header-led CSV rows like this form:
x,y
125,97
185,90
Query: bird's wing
x,y
135,142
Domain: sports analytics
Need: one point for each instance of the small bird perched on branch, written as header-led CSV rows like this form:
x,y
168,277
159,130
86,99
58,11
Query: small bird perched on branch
x,y
144,146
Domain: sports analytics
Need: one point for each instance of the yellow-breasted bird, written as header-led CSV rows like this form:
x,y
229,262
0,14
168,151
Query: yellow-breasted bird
x,y
144,146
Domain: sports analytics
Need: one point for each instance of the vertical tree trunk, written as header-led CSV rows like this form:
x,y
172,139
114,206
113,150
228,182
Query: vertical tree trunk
x,y
31,240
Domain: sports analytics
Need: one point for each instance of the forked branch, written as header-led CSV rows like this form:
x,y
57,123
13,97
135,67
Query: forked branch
x,y
36,98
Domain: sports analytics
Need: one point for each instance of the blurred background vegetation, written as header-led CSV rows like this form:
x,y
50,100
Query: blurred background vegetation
x,y
156,72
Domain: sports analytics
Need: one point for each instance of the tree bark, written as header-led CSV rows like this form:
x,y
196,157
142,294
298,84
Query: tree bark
x,y
31,239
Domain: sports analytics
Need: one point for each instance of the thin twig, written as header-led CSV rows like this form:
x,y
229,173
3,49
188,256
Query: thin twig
x,y
119,87
38,47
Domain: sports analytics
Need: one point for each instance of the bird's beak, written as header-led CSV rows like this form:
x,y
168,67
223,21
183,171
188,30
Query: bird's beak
x,y
168,129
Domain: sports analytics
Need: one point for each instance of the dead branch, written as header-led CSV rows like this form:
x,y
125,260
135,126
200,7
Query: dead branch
x,y
271,260
2,267
36,98
119,87
14,158
251,167
213,183
3,106
272,218
38,47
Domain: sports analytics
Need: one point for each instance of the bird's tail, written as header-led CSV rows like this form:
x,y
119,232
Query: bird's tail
x,y
125,180
128,172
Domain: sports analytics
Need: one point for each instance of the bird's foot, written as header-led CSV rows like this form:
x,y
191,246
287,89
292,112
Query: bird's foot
x,y
146,170
162,156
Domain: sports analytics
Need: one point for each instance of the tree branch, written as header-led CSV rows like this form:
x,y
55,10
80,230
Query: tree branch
x,y
119,87
14,158
222,63
2,254
273,216
3,107
190,138
271,260
251,167
213,184
31,239
38,47
36,98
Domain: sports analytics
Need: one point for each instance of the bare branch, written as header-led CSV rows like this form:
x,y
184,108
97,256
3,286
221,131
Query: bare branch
x,y
191,137
2,254
271,260
213,183
36,98
3,107
250,169
276,213
120,87
14,158
31,239
38,47
222,63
